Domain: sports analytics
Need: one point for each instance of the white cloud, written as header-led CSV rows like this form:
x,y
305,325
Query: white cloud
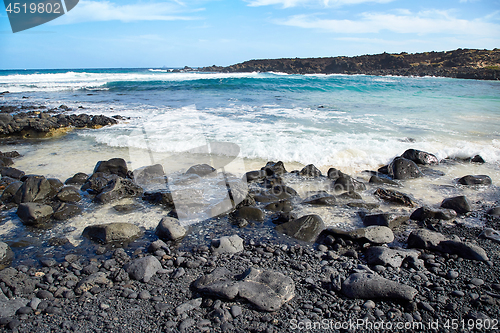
x,y
89,11
325,3
428,22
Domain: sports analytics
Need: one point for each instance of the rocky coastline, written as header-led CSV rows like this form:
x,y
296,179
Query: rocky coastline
x,y
37,121
240,279
460,63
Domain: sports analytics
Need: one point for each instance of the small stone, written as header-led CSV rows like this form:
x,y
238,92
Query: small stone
x,y
369,305
236,311
477,282
452,275
145,295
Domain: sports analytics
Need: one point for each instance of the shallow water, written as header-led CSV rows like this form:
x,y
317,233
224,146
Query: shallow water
x,y
352,123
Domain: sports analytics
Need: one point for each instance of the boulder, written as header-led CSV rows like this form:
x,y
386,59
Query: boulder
x,y
306,228
266,289
346,183
9,307
55,183
459,204
34,189
112,232
280,206
143,269
69,194
78,179
273,168
334,173
321,200
495,211
170,228
227,244
88,282
64,211
372,234
382,181
114,166
10,191
256,175
163,197
471,180
201,170
420,157
6,254
33,214
491,234
118,188
385,219
381,255
283,191
152,174
435,241
12,173
18,282
372,286
97,182
251,213
310,171
394,197
101,120
402,168
424,213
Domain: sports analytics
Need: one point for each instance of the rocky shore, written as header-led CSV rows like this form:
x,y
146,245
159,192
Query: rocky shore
x,y
31,121
461,63
260,268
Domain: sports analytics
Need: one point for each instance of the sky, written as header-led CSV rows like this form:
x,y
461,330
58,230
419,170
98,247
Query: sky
x,y
196,33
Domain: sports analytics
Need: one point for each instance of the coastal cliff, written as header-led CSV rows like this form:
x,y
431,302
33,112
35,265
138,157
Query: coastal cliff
x,y
461,63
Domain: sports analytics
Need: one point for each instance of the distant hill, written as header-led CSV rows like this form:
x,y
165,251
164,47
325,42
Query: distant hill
x,y
461,63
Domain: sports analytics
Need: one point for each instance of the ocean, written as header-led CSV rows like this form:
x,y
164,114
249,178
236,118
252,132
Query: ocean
x,y
351,122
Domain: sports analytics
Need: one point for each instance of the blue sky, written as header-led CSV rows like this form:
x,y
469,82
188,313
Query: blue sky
x,y
152,33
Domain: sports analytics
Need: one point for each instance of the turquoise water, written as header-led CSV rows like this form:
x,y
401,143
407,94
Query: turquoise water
x,y
347,121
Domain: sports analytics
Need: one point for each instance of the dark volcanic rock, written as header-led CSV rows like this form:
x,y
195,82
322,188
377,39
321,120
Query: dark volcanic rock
x,y
69,194
34,214
402,168
459,204
170,228
114,166
64,211
34,189
251,213
381,255
119,188
10,191
382,181
227,244
256,175
281,205
152,174
370,286
273,168
97,182
112,232
494,211
426,239
143,269
310,171
373,234
268,290
326,200
6,254
420,157
424,213
201,170
12,173
385,219
475,180
306,228
394,197
78,179
346,183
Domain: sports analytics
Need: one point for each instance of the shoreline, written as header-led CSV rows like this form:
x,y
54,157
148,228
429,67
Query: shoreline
x,y
460,63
